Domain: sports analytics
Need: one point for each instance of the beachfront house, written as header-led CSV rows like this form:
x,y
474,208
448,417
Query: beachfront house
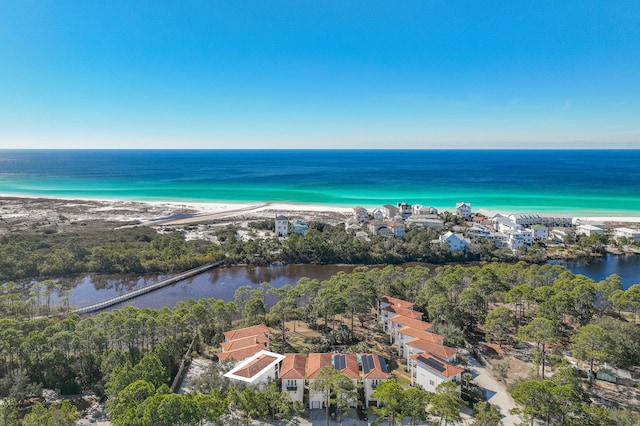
x,y
378,214
282,226
546,219
390,212
463,210
539,232
631,234
503,224
588,230
360,214
419,209
299,226
404,210
560,235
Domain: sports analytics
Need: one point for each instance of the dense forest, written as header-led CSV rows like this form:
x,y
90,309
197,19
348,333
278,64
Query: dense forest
x,y
133,354
137,250
144,250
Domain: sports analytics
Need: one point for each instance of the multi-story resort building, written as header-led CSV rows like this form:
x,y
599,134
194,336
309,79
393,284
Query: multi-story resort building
x,y
546,219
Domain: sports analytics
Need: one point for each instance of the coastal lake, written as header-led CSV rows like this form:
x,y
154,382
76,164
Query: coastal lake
x,y
221,283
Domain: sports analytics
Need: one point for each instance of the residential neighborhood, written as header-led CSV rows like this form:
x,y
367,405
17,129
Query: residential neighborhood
x,y
425,359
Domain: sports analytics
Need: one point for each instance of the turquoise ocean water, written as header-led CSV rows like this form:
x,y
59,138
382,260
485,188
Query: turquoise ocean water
x,y
581,182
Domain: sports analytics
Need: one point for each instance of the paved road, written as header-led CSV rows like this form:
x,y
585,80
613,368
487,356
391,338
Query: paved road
x,y
496,390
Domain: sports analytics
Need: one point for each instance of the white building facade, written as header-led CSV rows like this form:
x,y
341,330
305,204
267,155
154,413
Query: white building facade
x,y
282,226
463,210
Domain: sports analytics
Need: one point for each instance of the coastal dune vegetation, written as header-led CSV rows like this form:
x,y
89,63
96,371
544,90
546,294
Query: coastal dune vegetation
x,y
145,250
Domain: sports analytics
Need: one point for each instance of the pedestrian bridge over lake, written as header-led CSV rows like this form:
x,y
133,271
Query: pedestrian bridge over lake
x,y
144,290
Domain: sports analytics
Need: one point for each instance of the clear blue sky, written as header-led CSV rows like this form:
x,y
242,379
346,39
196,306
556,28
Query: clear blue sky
x,y
319,74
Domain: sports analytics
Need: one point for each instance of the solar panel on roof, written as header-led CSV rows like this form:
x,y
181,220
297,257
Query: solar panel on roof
x,y
366,364
433,364
339,362
383,364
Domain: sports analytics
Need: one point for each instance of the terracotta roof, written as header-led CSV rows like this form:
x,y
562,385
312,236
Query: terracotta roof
x,y
235,344
351,369
255,366
293,366
254,330
444,368
410,322
377,372
315,362
396,302
419,334
440,351
404,312
241,354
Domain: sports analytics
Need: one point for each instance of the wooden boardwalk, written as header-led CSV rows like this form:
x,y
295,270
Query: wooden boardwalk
x,y
144,290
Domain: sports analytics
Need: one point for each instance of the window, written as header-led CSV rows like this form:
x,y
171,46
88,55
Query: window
x,y
431,382
292,385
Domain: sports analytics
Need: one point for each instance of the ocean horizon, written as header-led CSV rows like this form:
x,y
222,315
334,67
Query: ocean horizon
x,y
578,182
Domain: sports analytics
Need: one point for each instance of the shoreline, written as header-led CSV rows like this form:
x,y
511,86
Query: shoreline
x,y
160,212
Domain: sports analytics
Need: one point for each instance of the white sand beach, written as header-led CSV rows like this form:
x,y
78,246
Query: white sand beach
x,y
65,214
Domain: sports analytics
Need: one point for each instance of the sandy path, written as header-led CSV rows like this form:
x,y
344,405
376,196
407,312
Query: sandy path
x,y
204,217
495,390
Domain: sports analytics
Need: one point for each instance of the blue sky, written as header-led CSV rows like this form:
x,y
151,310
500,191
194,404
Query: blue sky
x,y
319,74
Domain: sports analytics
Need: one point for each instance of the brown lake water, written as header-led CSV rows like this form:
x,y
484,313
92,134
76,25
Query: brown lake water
x,y
221,283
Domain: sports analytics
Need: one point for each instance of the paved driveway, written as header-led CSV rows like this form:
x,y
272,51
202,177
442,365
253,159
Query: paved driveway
x,y
495,390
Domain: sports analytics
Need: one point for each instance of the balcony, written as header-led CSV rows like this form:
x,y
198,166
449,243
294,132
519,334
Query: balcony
x,y
293,388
